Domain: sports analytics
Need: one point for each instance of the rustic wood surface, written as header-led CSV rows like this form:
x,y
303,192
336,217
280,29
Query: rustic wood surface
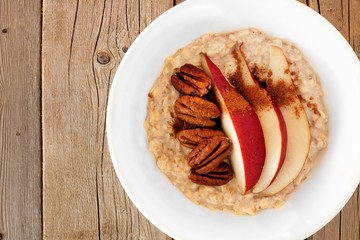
x,y
20,117
57,61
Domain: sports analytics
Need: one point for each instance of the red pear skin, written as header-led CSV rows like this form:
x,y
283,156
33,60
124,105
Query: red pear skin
x,y
270,116
283,131
242,126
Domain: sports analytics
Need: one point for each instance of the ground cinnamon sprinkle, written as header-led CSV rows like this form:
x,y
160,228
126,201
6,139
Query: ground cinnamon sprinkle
x,y
234,100
257,96
297,111
283,94
313,107
260,73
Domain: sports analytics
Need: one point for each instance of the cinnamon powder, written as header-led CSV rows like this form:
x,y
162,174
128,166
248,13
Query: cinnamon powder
x,y
283,93
234,101
313,107
257,96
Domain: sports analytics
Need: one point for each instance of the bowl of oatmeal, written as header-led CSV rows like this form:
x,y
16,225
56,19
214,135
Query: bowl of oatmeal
x,y
149,160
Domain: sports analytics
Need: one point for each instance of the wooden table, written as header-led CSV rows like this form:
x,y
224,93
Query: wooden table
x,y
57,61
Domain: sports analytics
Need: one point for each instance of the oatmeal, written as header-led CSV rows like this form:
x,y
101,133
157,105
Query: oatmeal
x,y
170,155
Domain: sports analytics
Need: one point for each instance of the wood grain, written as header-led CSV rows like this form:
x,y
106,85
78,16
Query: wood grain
x,y
20,130
70,143
350,218
303,1
354,25
83,44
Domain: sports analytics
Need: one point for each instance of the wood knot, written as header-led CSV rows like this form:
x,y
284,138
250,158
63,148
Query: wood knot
x,y
4,30
103,58
17,134
125,49
1,236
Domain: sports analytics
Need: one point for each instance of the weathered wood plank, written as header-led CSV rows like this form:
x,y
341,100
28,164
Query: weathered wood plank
x,y
151,9
354,25
350,218
314,4
176,2
337,12
83,44
20,130
118,217
71,146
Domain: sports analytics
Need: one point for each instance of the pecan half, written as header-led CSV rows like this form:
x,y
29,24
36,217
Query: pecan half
x,y
209,154
179,125
192,137
220,175
191,80
196,110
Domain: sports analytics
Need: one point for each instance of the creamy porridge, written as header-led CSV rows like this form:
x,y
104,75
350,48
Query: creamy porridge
x,y
170,155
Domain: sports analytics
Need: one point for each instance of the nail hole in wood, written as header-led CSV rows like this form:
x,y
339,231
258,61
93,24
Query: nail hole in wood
x,y
124,49
17,134
4,30
103,58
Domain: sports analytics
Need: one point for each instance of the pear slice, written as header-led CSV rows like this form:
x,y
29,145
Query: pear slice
x,y
242,126
283,90
271,119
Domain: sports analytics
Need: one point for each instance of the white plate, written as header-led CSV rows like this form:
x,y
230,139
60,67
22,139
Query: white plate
x,y
330,184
